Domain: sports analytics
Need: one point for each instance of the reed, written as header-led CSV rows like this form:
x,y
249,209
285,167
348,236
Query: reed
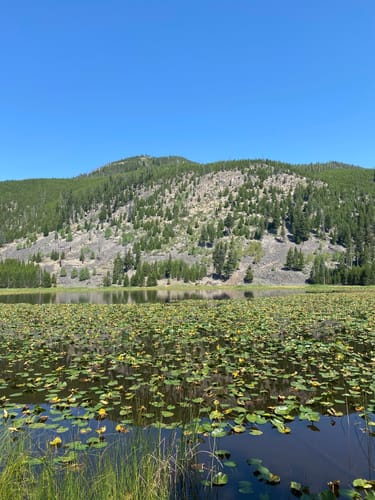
x,y
143,466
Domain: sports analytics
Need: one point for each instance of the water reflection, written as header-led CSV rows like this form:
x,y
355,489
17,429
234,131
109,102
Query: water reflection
x,y
126,296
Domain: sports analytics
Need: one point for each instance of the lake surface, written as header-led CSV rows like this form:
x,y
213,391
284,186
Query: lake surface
x,y
285,382
139,296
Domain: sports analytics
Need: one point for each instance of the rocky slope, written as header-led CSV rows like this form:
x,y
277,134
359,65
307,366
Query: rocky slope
x,y
251,205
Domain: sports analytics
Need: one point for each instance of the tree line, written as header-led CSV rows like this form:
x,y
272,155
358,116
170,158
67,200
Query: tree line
x,y
19,274
129,270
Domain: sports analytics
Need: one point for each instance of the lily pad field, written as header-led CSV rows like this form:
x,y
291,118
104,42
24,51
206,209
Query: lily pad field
x,y
272,397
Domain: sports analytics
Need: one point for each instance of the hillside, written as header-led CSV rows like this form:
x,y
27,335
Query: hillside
x,y
152,220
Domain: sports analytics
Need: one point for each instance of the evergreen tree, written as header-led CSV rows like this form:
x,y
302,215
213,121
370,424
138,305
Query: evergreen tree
x,y
218,257
84,274
151,280
19,274
107,280
46,280
128,261
126,281
318,272
118,270
298,260
203,236
249,275
231,261
300,227
294,259
289,259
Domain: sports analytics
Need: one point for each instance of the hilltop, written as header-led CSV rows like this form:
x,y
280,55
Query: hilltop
x,y
146,220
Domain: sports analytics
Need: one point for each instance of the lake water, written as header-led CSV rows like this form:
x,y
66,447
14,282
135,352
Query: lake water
x,y
139,296
313,453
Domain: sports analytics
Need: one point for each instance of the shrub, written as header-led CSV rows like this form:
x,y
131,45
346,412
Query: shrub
x,y
84,274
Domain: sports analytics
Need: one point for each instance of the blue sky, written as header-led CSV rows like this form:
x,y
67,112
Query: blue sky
x,y
85,82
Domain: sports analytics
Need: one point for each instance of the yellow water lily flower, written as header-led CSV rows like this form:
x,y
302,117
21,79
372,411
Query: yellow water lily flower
x,y
56,442
121,428
102,413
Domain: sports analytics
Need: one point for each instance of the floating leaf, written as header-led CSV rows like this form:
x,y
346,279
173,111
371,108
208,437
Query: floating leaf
x,y
238,429
256,432
296,487
167,414
76,445
222,453
217,433
61,429
219,479
254,461
230,463
245,487
363,483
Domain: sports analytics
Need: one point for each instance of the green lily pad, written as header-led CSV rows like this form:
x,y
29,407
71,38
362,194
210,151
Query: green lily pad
x,y
218,433
223,453
256,432
245,487
220,479
230,463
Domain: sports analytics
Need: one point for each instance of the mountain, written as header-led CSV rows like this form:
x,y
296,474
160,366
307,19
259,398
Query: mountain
x,y
146,219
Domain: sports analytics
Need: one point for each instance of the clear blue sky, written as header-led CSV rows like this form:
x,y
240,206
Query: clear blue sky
x,y
85,82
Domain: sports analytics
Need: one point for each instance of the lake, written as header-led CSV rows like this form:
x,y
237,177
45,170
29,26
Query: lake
x,y
139,296
268,391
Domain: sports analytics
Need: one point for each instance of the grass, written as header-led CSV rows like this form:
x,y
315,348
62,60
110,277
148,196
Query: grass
x,y
143,467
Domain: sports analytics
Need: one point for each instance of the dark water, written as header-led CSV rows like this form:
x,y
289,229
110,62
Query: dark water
x,y
138,296
335,449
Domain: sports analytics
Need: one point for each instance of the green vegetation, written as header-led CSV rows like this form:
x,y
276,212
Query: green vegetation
x,y
77,377
148,273
18,274
84,274
255,250
161,205
173,334
249,276
294,259
141,467
225,258
342,274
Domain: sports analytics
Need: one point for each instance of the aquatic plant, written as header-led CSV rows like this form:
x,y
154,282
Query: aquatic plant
x,y
84,377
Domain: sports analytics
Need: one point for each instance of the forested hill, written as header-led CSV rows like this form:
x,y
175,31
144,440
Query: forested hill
x,y
144,219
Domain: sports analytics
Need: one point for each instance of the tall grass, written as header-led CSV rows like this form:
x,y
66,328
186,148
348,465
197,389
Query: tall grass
x,y
143,466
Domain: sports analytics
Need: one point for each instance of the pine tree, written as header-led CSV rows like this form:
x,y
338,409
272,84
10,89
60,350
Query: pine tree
x,y
289,259
298,260
249,276
126,282
107,280
218,257
118,270
318,274
231,261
